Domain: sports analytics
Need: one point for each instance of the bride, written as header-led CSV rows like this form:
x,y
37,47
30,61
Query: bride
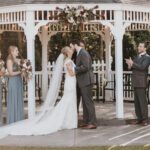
x,y
53,116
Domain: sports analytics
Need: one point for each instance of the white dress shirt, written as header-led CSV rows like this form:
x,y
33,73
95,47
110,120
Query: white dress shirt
x,y
78,51
143,53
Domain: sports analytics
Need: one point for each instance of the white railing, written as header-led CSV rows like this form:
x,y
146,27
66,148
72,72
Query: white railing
x,y
99,69
12,17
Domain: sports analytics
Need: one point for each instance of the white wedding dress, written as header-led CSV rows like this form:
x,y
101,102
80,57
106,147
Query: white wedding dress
x,y
52,117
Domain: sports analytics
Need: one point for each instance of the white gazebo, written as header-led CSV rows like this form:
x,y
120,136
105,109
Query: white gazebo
x,y
39,17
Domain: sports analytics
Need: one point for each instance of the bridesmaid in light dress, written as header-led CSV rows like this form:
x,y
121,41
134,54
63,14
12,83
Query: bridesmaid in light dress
x,y
15,103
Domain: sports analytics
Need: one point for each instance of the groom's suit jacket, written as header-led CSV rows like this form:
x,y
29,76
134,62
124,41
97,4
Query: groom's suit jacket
x,y
140,71
84,72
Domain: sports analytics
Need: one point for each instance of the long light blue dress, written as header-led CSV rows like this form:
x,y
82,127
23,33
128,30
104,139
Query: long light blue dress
x,y
15,103
1,120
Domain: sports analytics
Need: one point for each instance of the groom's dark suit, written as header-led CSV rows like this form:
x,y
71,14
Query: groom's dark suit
x,y
85,79
139,82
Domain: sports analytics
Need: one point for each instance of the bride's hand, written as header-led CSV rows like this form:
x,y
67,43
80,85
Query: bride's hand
x,y
72,74
70,69
69,66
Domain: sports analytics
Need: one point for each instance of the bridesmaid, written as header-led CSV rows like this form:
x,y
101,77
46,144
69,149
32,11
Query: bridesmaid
x,y
15,104
2,72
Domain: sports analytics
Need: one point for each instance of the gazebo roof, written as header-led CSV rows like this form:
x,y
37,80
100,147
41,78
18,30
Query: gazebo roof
x,y
18,2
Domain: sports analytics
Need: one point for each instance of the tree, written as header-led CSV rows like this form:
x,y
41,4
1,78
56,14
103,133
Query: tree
x,y
60,40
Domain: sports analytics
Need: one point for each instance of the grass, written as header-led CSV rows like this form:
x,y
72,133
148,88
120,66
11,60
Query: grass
x,y
78,148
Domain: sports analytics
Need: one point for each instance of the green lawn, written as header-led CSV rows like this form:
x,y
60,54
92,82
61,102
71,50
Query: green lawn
x,y
78,148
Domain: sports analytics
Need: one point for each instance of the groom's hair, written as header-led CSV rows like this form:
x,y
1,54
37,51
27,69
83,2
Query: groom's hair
x,y
144,43
75,41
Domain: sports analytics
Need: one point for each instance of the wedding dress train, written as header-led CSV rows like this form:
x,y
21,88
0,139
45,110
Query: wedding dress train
x,y
53,117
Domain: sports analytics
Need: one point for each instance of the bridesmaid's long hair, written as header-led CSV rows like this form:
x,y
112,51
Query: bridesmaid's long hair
x,y
0,54
10,50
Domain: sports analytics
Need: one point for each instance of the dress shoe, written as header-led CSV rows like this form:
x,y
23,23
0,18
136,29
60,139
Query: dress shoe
x,y
90,126
82,125
144,123
136,122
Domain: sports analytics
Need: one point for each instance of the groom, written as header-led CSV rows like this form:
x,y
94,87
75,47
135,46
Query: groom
x,y
85,80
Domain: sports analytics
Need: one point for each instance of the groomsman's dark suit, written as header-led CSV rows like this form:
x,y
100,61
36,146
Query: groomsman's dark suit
x,y
139,82
85,80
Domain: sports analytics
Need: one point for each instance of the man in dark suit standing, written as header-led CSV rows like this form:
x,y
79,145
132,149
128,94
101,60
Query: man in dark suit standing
x,y
140,67
85,80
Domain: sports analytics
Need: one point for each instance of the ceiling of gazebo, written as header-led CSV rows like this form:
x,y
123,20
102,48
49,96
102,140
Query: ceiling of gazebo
x,y
138,16
143,2
17,2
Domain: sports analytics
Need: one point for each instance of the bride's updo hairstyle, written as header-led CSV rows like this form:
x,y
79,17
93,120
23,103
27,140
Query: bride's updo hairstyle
x,y
65,50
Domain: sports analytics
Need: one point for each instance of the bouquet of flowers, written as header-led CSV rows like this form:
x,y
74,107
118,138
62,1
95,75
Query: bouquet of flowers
x,y
26,69
2,69
75,16
1,64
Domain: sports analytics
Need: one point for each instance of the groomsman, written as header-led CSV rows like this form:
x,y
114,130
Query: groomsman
x,y
140,66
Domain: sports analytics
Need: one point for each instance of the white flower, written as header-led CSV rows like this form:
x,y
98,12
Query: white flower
x,y
6,72
85,14
24,65
74,23
77,13
3,80
71,20
67,11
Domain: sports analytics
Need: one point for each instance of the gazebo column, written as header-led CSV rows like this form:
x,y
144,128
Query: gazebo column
x,y
30,36
1,95
108,58
108,40
118,30
101,47
44,37
118,34
30,30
